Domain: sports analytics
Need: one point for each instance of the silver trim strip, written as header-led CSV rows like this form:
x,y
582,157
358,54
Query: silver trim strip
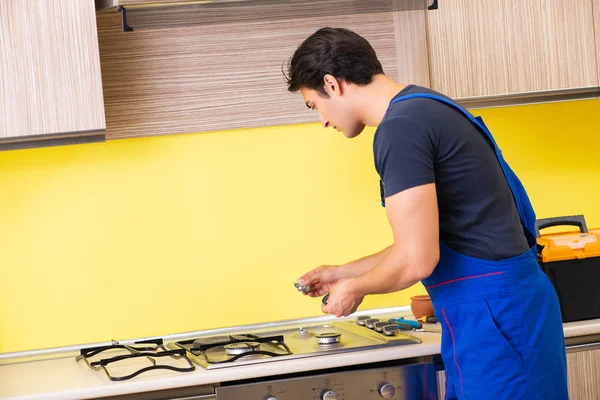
x,y
68,351
518,99
583,347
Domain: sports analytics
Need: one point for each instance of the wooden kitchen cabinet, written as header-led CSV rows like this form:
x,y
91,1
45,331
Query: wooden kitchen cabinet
x,y
512,47
596,5
410,32
583,368
50,77
200,68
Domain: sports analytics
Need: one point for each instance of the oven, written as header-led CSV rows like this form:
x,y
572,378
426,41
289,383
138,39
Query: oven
x,y
412,381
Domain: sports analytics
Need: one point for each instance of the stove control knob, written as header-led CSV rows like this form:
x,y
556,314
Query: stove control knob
x,y
387,391
329,395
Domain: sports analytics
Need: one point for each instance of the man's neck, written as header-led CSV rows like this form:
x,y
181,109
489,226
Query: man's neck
x,y
372,100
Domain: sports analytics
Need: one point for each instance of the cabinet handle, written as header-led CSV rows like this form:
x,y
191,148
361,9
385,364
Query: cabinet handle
x,y
123,11
583,347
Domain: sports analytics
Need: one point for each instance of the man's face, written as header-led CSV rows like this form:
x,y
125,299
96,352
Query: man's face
x,y
334,111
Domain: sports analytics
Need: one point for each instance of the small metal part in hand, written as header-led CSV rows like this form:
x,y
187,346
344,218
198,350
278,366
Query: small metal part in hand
x,y
301,287
325,299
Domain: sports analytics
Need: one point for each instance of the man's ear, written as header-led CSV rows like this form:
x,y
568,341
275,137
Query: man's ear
x,y
332,85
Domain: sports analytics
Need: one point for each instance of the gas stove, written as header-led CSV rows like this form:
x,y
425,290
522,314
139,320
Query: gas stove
x,y
245,348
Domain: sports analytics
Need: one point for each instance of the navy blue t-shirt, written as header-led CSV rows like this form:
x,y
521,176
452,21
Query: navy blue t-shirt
x,y
421,141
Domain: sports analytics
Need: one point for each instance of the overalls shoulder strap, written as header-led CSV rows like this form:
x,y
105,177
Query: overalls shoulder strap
x,y
524,206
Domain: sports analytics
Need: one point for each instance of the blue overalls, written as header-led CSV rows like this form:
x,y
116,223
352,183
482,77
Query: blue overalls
x,y
502,335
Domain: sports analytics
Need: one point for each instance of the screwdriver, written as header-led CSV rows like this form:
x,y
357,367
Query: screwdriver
x,y
402,325
428,319
414,324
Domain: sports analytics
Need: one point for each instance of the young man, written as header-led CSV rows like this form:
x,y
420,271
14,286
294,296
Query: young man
x,y
462,224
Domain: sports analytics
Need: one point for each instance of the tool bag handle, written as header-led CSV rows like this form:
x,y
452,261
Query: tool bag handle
x,y
570,220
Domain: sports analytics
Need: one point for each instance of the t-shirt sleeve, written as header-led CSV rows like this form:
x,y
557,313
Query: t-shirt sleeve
x,y
404,155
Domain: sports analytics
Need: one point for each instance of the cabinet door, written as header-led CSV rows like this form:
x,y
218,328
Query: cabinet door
x,y
50,81
504,47
207,67
584,374
596,5
410,32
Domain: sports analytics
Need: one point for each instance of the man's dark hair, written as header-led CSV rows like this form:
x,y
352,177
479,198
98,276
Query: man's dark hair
x,y
336,51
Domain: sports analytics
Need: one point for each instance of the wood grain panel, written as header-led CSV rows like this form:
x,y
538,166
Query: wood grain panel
x,y
596,7
197,69
410,30
50,78
583,370
505,46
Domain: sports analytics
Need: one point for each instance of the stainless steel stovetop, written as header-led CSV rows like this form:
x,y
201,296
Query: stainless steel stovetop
x,y
260,346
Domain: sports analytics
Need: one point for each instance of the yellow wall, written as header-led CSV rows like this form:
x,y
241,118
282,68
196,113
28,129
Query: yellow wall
x,y
161,235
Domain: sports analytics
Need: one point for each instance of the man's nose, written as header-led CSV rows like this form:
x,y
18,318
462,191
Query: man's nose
x,y
324,122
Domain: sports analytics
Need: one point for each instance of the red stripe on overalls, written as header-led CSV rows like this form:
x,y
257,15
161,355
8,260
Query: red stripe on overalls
x,y
462,279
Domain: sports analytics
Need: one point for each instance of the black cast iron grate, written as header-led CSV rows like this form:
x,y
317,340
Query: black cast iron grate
x,y
199,347
149,349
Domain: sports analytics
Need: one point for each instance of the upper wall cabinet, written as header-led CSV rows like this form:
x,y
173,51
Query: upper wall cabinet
x,y
410,32
508,49
50,80
216,66
596,5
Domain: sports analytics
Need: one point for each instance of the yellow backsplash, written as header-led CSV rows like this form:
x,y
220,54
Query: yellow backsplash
x,y
152,236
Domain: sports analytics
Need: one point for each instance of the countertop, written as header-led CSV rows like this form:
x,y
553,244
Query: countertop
x,y
64,378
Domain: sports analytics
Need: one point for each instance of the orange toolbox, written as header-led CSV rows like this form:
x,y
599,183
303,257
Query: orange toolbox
x,y
572,262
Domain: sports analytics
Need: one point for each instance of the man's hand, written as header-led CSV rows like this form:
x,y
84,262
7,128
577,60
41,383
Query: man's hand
x,y
343,299
322,279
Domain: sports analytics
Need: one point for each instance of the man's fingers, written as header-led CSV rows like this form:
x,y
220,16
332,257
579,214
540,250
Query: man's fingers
x,y
316,293
311,277
317,288
322,273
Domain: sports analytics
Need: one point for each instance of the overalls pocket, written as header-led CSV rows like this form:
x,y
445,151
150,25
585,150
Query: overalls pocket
x,y
482,335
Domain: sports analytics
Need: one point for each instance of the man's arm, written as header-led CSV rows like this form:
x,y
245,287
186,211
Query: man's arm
x,y
322,278
362,265
413,216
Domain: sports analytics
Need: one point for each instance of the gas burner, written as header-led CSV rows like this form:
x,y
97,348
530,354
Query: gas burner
x,y
212,351
328,338
235,349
